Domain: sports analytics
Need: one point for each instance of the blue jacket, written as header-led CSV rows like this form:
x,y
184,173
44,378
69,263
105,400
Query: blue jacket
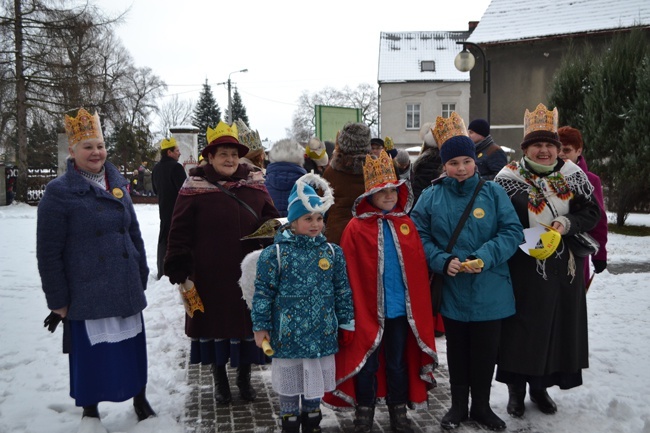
x,y
304,300
491,233
90,252
280,178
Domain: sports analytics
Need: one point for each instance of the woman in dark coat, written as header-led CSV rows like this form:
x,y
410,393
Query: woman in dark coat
x,y
94,272
205,245
545,343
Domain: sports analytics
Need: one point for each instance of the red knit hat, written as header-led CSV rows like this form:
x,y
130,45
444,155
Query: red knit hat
x,y
570,137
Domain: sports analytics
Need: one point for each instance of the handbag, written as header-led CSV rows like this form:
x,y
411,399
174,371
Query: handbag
x,y
582,244
436,280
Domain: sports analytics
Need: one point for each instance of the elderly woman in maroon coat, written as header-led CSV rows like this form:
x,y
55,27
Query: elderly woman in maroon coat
x,y
216,207
345,175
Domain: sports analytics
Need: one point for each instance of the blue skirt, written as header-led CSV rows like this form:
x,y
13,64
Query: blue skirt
x,y
219,352
106,371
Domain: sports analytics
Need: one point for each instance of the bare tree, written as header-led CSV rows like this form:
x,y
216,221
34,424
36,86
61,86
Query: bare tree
x,y
174,112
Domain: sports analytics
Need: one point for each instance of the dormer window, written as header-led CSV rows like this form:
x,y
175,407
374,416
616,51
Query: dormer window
x,y
427,66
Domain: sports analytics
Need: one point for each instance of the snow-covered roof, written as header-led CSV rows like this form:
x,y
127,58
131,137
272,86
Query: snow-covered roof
x,y
402,53
514,20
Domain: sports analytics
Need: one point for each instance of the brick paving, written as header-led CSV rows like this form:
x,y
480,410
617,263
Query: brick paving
x,y
202,415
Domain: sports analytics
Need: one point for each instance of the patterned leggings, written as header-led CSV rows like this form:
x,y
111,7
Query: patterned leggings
x,y
290,404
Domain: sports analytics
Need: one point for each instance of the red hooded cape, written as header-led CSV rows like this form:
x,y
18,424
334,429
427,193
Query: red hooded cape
x,y
362,243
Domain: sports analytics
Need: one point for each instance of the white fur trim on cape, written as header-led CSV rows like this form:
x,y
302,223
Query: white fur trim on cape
x,y
318,183
248,275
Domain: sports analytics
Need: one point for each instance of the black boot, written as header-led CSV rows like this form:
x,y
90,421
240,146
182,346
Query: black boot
x,y
90,412
481,412
311,421
363,419
458,411
246,391
290,424
516,396
141,406
399,422
221,386
543,401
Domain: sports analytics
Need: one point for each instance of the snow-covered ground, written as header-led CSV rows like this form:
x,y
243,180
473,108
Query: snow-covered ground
x,y
34,373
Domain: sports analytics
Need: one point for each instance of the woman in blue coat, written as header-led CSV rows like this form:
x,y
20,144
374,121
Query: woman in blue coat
x,y
474,300
93,269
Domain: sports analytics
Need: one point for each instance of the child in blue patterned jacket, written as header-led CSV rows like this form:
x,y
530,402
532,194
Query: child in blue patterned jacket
x,y
302,297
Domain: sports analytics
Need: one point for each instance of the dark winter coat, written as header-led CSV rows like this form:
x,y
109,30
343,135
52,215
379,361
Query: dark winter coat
x,y
345,175
90,251
302,297
547,337
490,158
168,177
426,169
205,244
280,178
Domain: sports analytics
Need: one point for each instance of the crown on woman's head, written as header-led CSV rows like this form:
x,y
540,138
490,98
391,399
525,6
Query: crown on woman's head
x,y
540,119
82,127
247,137
378,170
223,130
446,128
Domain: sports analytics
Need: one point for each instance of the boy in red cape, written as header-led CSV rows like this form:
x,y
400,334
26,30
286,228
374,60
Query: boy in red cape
x,y
392,353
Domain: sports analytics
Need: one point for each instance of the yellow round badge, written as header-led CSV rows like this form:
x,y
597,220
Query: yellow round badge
x,y
118,193
324,264
405,229
479,213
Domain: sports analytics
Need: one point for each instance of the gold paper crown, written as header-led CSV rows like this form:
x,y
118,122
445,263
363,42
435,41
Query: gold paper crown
x,y
389,144
377,171
222,130
447,128
247,137
168,143
540,119
82,127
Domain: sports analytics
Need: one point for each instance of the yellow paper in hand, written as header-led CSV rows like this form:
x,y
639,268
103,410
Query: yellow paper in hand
x,y
474,264
191,299
266,347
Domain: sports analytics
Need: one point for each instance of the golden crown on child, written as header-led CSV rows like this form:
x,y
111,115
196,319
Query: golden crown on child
x,y
82,127
540,119
222,130
377,171
446,128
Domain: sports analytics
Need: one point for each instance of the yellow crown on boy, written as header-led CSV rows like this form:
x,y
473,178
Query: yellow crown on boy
x,y
540,119
82,127
222,130
247,137
446,128
378,170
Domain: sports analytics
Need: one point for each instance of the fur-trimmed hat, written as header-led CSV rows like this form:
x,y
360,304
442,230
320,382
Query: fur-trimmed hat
x,y
304,199
354,139
287,150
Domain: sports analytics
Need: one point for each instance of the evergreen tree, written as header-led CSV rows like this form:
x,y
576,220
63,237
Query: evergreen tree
x,y
42,148
238,109
206,113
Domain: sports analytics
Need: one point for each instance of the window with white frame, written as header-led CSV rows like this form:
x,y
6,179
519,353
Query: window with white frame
x,y
447,109
412,116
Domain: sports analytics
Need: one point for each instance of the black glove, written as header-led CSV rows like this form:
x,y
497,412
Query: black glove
x,y
177,276
52,321
599,265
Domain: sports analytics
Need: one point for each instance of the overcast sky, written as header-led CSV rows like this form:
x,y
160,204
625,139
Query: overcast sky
x,y
288,47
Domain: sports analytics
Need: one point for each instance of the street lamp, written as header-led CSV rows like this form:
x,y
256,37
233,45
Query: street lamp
x,y
230,96
465,61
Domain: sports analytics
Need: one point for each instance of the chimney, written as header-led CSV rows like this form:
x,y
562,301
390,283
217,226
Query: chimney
x,y
472,25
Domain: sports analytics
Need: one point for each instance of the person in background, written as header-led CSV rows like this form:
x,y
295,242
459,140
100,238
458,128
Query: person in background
x,y
317,155
392,353
256,156
571,149
376,146
403,165
148,181
302,301
168,177
215,209
345,175
490,158
545,343
285,168
427,166
474,300
93,269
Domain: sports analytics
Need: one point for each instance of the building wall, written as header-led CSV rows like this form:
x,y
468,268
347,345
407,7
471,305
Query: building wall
x,y
395,96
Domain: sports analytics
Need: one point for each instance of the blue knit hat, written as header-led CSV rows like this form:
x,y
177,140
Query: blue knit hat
x,y
304,199
459,145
